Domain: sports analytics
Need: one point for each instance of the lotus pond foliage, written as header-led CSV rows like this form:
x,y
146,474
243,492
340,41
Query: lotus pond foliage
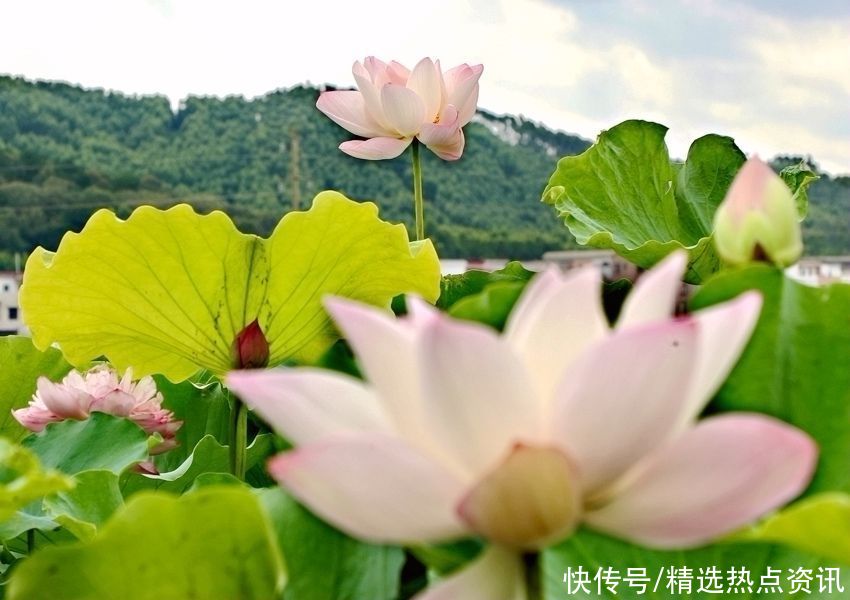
x,y
203,412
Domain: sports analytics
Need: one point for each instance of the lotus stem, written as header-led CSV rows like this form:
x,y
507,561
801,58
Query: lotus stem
x,y
238,438
533,588
418,200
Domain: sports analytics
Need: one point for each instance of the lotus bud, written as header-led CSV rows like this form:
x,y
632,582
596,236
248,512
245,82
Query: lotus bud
x,y
250,348
757,221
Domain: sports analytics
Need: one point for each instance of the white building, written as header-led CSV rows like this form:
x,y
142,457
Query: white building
x,y
610,265
10,313
817,270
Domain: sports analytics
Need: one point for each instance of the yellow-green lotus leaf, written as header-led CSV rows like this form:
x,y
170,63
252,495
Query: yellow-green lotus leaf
x,y
168,291
212,544
23,479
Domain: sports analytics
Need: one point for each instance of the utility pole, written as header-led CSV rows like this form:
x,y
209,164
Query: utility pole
x,y
295,168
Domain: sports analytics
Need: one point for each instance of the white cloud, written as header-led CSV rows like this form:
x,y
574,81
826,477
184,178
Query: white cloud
x,y
769,81
818,53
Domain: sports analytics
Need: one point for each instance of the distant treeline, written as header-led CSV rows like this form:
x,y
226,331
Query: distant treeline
x,y
66,151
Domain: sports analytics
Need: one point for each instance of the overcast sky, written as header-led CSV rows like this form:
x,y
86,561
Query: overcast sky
x,y
774,74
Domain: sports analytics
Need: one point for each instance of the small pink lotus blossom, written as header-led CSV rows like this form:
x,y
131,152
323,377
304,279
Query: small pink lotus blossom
x,y
100,390
395,105
520,438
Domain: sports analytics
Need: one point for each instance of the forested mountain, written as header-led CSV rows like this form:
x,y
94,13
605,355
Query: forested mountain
x,y
66,151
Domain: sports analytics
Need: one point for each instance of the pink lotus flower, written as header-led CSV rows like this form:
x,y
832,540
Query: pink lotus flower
x,y
395,105
100,390
519,438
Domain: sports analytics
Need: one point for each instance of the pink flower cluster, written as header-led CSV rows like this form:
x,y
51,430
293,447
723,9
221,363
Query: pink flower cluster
x,y
101,390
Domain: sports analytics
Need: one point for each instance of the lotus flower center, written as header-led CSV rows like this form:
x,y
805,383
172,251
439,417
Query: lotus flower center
x,y
529,501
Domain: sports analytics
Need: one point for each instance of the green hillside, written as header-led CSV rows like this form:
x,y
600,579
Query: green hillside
x,y
66,151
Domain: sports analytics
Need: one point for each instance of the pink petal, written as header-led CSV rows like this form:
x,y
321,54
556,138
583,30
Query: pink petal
x,y
160,421
426,81
497,574
309,405
348,110
462,89
452,149
373,487
478,400
34,417
97,382
555,320
419,313
724,331
144,389
371,95
146,467
623,397
445,139
378,148
377,70
449,117
398,73
116,403
654,296
747,192
64,401
386,352
404,109
162,447
722,474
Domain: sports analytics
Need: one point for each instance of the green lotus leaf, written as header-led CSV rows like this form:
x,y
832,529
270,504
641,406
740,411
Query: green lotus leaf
x,y
102,441
455,288
798,178
24,520
208,456
819,525
213,543
795,365
325,563
625,193
85,508
490,306
204,410
168,291
23,479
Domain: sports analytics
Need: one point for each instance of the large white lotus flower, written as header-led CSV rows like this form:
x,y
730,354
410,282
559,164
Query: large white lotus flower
x,y
521,437
395,105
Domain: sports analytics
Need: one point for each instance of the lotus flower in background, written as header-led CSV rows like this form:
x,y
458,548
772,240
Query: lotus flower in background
x,y
758,219
101,390
394,105
520,438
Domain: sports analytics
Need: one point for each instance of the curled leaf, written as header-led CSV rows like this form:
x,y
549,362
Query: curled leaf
x,y
625,193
